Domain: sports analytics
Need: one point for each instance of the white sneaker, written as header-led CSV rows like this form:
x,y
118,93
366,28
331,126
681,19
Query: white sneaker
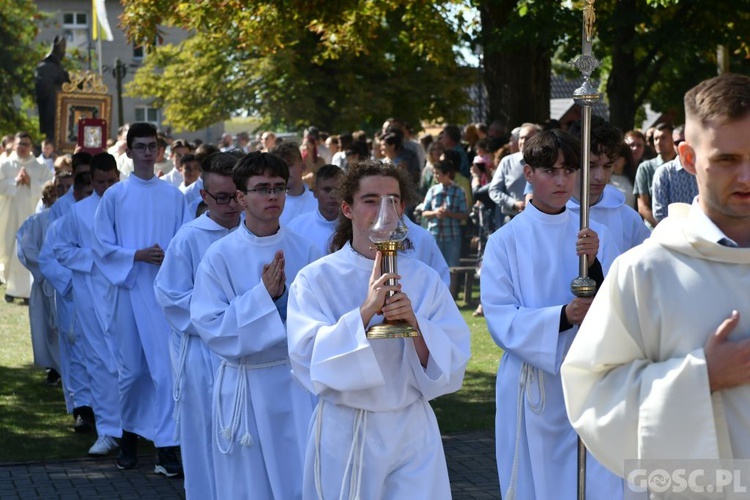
x,y
103,445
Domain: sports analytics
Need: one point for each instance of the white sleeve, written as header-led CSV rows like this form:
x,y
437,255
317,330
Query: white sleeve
x,y
67,247
173,286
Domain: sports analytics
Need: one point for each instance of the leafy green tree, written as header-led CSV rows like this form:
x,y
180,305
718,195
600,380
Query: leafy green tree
x,y
655,50
20,56
340,65
349,64
519,38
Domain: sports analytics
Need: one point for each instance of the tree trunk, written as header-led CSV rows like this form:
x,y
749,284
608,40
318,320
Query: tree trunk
x,y
516,72
622,82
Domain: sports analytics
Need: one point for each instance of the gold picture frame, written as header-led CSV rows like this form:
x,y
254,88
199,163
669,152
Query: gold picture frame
x,y
71,108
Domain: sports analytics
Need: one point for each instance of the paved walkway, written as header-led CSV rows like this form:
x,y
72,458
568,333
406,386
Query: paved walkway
x,y
471,465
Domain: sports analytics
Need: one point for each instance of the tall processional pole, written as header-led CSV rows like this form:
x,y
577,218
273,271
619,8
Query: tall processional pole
x,y
585,96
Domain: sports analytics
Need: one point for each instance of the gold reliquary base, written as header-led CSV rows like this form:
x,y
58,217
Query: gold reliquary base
x,y
391,330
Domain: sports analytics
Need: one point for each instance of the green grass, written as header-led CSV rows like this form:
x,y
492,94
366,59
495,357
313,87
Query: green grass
x,y
34,425
473,407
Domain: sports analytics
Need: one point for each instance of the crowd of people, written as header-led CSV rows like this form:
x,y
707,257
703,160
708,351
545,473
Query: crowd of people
x,y
215,299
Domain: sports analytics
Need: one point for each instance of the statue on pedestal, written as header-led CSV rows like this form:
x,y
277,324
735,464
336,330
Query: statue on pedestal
x,y
50,75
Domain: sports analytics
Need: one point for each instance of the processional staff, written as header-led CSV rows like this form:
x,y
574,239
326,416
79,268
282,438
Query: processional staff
x,y
585,96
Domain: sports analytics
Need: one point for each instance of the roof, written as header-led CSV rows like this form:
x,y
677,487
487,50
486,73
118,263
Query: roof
x,y
561,97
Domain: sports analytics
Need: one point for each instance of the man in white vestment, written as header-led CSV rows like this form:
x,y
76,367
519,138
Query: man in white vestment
x,y
93,299
374,434
533,316
319,225
299,199
193,363
660,367
21,179
606,203
134,223
261,413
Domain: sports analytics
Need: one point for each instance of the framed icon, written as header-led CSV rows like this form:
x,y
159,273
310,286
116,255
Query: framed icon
x,y
92,135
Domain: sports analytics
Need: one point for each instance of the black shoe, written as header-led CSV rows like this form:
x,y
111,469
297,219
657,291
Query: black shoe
x,y
53,378
167,461
127,457
84,419
9,298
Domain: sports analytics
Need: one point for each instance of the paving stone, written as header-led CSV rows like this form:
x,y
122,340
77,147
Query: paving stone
x,y
470,456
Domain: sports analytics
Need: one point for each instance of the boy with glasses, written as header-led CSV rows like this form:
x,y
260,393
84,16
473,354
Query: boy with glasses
x,y
239,309
193,363
136,219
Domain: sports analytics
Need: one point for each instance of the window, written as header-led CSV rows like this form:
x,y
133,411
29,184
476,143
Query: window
x,y
76,31
146,114
139,51
75,20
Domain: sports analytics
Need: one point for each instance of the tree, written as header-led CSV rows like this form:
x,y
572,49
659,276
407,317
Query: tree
x,y
21,54
349,64
340,65
518,38
655,50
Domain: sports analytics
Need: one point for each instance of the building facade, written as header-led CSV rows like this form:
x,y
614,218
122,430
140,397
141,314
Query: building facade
x,y
73,19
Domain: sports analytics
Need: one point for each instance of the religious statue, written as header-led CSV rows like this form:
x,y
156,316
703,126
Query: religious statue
x,y
50,75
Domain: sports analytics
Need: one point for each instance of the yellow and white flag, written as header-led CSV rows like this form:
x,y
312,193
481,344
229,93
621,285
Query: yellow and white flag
x,y
100,21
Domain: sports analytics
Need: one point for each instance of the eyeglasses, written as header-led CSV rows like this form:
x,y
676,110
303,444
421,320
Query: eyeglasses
x,y
222,199
141,148
266,191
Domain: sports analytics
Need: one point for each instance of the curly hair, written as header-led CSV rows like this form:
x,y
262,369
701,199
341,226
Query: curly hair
x,y
349,186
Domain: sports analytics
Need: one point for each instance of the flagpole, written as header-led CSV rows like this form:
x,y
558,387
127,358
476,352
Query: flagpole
x,y
585,97
99,50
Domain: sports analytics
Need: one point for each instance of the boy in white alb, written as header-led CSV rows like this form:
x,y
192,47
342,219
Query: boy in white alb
x,y
532,314
134,223
299,199
606,203
75,377
93,297
42,311
193,363
260,413
320,224
374,434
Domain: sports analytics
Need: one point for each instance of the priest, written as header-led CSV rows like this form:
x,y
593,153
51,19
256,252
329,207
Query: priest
x,y
659,369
